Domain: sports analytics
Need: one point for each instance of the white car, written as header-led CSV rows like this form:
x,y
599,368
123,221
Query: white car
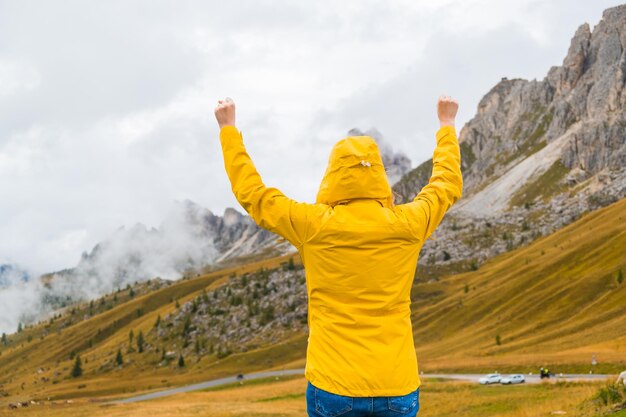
x,y
513,379
490,379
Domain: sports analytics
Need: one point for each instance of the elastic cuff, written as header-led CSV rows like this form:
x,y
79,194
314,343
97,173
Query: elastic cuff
x,y
445,131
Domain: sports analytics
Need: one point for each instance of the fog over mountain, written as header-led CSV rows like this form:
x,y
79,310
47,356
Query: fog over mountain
x,y
141,134
189,239
12,275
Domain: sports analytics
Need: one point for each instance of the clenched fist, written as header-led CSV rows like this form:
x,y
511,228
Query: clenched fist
x,y
225,112
446,110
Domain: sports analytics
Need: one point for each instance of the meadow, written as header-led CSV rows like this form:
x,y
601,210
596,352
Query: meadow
x,y
285,397
556,302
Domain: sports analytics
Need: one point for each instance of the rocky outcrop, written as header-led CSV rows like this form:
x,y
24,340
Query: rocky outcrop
x,y
253,310
191,238
537,149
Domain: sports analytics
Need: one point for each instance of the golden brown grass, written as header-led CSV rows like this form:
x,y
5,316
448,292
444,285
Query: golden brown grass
x,y
287,398
555,302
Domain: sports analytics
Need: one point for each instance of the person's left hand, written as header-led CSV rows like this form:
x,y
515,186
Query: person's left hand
x,y
225,112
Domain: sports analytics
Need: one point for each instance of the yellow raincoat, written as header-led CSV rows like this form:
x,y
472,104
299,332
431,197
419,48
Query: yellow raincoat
x,y
360,252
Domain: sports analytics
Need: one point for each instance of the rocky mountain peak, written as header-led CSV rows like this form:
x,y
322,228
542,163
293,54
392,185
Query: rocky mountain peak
x,y
615,14
565,77
232,217
539,153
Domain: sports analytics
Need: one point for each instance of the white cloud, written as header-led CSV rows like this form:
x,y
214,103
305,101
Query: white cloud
x,y
17,77
106,108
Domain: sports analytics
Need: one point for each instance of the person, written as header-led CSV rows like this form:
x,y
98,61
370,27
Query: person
x,y
621,377
360,252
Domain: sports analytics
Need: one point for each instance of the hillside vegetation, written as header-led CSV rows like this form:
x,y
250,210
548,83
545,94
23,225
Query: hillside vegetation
x,y
558,301
555,302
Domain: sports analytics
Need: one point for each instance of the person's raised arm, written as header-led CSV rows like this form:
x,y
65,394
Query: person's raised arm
x,y
445,187
267,206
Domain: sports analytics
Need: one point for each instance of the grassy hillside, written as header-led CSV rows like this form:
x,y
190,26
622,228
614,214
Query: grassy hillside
x,y
36,362
555,302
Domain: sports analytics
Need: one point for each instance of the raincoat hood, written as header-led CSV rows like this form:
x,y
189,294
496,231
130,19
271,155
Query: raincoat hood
x,y
355,170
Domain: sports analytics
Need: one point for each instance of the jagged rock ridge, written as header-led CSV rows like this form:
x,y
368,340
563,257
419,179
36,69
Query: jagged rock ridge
x,y
538,154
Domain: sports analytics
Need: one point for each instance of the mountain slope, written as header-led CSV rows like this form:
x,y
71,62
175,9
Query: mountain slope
x,y
560,298
556,301
189,240
538,154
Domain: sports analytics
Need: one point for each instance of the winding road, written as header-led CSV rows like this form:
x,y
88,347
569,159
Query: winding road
x,y
531,379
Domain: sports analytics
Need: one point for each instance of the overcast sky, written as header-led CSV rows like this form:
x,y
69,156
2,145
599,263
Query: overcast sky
x,y
106,108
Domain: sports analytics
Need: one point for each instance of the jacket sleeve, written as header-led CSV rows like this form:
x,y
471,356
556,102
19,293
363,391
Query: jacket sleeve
x,y
445,187
267,206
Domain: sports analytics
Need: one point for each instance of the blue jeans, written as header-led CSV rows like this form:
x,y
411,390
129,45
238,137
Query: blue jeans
x,y
320,403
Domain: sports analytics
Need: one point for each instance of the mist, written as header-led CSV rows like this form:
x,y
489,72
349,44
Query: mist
x,y
184,241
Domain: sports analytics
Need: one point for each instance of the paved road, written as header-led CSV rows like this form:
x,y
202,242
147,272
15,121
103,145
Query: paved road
x,y
533,379
207,384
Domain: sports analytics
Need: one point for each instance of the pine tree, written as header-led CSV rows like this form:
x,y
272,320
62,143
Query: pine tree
x,y
181,361
131,335
119,359
140,342
19,327
197,347
158,321
5,340
186,326
78,369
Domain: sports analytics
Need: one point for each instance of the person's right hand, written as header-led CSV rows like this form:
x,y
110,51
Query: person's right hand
x,y
225,112
446,110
